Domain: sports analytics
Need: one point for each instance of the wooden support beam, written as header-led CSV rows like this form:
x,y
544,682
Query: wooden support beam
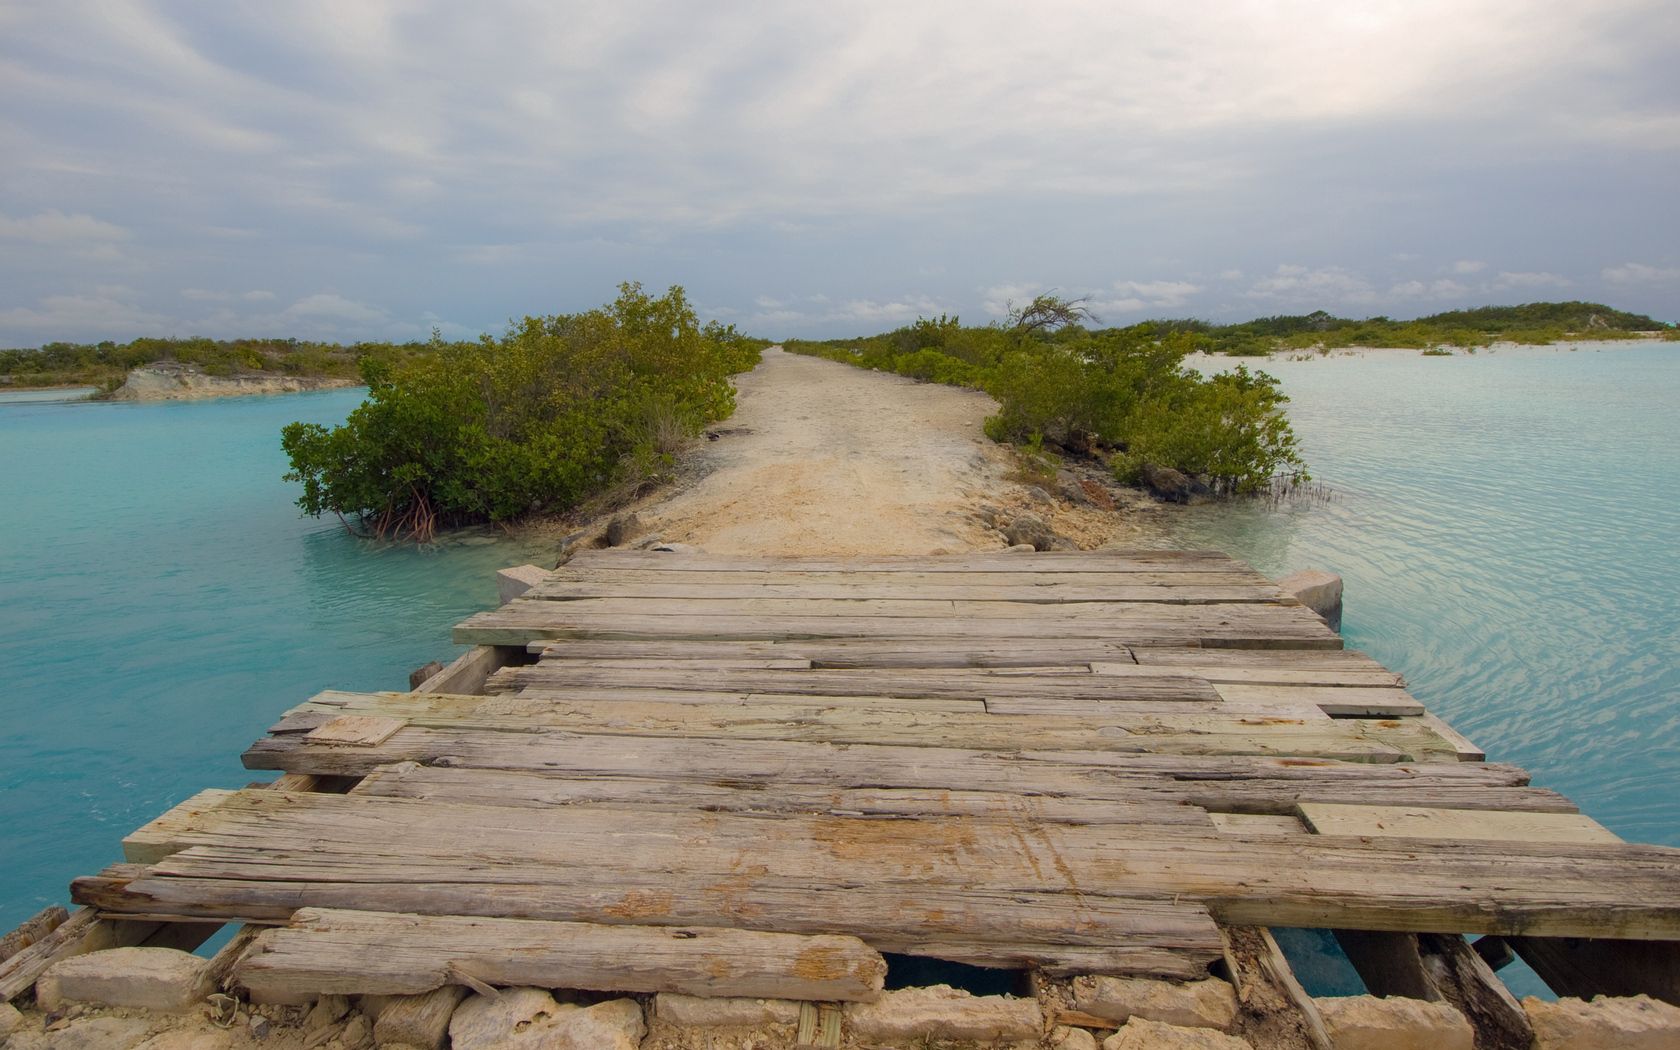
x,y
328,952
1465,981
467,672
1276,1011
31,930
1585,967
1388,963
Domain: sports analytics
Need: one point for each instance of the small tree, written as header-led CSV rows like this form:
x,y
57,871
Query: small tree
x,y
1048,312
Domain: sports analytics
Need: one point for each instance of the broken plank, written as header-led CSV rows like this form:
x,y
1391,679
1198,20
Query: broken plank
x,y
1469,825
156,839
326,951
1262,674
355,730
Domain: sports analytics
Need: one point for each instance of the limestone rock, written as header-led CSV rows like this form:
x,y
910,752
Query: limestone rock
x,y
1140,1033
675,548
1064,1038
701,1012
1364,1022
418,1020
326,1011
357,1030
1198,1004
1606,1023
1165,483
946,1013
511,583
1018,548
1029,529
530,1019
161,979
10,1019
622,529
1319,591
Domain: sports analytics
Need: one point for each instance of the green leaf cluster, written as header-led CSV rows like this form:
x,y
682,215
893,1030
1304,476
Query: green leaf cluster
x,y
556,409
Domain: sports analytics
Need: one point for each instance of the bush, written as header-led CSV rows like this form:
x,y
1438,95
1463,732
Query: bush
x,y
1124,392
556,409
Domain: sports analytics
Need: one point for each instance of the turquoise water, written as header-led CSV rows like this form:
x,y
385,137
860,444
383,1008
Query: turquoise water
x,y
1508,528
162,602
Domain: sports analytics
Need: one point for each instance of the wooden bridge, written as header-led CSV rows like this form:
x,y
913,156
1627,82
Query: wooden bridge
x,y
745,776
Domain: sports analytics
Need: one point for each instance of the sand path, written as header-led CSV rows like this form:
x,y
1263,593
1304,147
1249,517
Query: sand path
x,y
823,458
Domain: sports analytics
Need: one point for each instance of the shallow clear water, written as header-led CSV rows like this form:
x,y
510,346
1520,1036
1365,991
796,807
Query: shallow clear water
x,y
162,602
1508,528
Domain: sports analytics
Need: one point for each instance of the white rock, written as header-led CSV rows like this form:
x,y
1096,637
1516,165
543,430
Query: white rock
x,y
948,1013
701,1012
530,1019
10,1019
1197,1004
146,978
1064,1038
1319,591
511,583
1365,1022
1606,1023
1140,1033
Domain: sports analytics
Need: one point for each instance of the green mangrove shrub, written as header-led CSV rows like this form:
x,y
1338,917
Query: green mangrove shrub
x,y
556,409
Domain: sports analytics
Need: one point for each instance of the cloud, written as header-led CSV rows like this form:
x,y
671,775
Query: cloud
x,y
1530,279
1300,284
56,228
997,299
103,312
1438,289
202,295
855,313
1468,266
1639,273
1132,296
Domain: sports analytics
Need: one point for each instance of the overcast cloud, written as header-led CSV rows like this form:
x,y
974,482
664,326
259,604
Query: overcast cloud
x,y
372,170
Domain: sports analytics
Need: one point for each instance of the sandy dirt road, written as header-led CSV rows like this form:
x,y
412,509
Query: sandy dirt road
x,y
821,458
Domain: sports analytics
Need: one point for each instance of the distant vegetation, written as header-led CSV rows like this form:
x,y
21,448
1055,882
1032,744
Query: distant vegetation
x,y
105,365
1120,394
557,409
1534,324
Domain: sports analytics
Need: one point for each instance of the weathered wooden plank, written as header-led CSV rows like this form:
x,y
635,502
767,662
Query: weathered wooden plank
x,y
1543,889
1275,674
840,653
1335,700
1103,575
156,839
1180,656
355,730
1467,752
1226,783
1388,963
506,788
844,588
1417,822
534,609
1214,732
1044,562
550,676
325,951
1280,627
972,924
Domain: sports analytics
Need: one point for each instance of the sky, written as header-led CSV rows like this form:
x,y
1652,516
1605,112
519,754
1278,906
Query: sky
x,y
374,170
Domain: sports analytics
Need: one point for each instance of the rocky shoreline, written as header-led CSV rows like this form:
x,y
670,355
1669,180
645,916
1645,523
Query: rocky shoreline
x,y
173,381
